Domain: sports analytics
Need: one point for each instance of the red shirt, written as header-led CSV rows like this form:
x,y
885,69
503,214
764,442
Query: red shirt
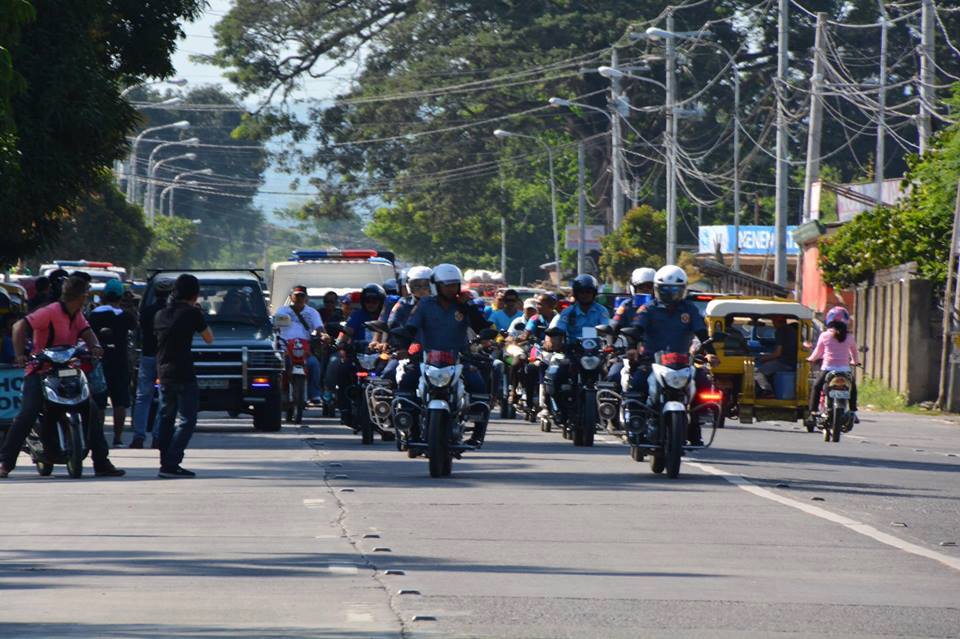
x,y
53,326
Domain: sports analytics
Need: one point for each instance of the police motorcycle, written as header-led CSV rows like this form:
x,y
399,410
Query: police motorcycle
x,y
367,367
659,426
580,416
380,389
60,435
444,406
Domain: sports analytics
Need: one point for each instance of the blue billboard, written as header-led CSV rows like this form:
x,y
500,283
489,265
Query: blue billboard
x,y
754,240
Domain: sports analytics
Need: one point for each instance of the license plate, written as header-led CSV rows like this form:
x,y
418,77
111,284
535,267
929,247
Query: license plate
x,y
67,372
299,370
840,394
213,383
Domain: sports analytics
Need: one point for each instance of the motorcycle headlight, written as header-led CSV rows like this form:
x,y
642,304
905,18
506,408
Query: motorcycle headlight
x,y
677,378
589,362
440,376
589,344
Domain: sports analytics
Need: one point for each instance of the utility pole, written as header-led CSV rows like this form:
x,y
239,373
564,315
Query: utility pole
x,y
503,228
927,75
880,157
582,215
670,142
783,167
815,131
949,306
736,167
616,136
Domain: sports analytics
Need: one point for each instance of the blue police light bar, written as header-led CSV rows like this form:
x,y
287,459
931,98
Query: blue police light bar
x,y
370,254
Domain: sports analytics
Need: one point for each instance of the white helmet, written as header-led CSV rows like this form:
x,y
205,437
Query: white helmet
x,y
419,273
447,274
670,284
641,276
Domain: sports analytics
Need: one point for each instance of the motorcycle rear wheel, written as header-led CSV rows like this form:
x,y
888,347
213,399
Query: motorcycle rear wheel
x,y
437,441
636,454
657,463
44,469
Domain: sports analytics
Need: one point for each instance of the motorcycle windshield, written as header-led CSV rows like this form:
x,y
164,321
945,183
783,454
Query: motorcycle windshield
x,y
441,358
59,354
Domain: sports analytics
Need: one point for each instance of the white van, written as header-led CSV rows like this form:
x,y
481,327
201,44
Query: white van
x,y
333,270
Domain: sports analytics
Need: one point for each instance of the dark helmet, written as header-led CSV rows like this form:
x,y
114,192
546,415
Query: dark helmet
x,y
391,287
585,283
373,291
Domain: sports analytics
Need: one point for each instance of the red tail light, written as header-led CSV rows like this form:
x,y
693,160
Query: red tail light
x,y
674,359
711,396
414,349
362,374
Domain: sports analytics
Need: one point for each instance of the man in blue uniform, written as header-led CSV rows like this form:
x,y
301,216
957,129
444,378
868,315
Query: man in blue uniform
x,y
341,371
441,323
583,313
670,324
641,284
418,283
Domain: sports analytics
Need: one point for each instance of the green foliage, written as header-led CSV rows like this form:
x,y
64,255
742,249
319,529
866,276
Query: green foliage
x,y
173,239
917,230
104,226
640,241
70,121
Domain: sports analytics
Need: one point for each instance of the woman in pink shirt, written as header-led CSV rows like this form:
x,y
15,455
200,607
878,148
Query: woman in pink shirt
x,y
838,351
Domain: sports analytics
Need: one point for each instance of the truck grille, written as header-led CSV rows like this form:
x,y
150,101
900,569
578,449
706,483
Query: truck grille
x,y
264,360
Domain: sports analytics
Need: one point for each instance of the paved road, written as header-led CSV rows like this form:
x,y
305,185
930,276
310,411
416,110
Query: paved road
x,y
773,533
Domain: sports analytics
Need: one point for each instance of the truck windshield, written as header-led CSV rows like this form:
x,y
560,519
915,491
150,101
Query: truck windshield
x,y
232,301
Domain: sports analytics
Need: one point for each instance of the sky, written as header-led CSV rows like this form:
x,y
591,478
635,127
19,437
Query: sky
x,y
200,40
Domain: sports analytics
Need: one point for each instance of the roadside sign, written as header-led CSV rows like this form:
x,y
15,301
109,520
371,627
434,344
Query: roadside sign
x,y
593,232
11,385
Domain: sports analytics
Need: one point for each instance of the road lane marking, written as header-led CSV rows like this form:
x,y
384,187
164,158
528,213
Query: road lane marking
x,y
852,524
342,569
314,503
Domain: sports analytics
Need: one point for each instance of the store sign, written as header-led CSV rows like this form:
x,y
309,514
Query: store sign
x,y
754,240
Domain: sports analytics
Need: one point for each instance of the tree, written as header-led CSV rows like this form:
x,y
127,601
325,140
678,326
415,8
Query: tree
x,y
224,200
103,226
173,239
917,230
640,241
69,118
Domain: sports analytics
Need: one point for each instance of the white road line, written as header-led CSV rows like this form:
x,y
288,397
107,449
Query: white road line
x,y
314,503
342,569
816,511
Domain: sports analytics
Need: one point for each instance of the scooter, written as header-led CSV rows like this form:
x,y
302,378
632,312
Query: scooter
x,y
60,434
835,416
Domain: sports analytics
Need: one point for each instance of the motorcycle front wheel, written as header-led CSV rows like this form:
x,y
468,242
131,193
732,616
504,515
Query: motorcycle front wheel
x,y
362,412
676,435
76,453
437,441
299,398
588,419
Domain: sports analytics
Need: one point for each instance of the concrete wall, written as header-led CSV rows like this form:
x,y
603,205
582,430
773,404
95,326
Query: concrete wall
x,y
894,317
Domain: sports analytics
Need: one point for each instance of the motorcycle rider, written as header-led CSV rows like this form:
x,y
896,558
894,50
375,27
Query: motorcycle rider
x,y
585,312
58,324
305,320
641,285
418,283
838,350
441,322
669,324
509,310
341,372
534,329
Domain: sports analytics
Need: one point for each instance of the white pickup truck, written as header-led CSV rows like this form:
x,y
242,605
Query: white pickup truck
x,y
332,270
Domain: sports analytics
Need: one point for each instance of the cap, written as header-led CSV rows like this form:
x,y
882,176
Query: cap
x,y
113,289
530,303
298,289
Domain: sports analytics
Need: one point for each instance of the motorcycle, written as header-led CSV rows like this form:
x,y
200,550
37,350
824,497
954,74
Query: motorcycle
x,y
67,410
295,379
580,416
445,407
835,416
659,426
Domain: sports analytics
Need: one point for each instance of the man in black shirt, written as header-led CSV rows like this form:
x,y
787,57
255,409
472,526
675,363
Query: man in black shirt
x,y
147,371
113,326
175,327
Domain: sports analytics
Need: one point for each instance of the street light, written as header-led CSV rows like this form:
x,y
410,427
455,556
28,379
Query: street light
x,y
501,133
175,183
176,82
151,187
170,189
152,169
132,179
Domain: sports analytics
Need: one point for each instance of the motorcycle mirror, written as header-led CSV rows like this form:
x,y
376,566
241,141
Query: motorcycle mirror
x,y
402,332
605,329
633,332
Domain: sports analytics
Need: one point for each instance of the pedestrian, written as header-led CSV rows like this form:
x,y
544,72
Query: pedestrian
x,y
147,370
41,296
175,327
113,325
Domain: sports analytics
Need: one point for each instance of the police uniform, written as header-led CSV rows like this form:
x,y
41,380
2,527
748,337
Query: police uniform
x,y
572,321
624,315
